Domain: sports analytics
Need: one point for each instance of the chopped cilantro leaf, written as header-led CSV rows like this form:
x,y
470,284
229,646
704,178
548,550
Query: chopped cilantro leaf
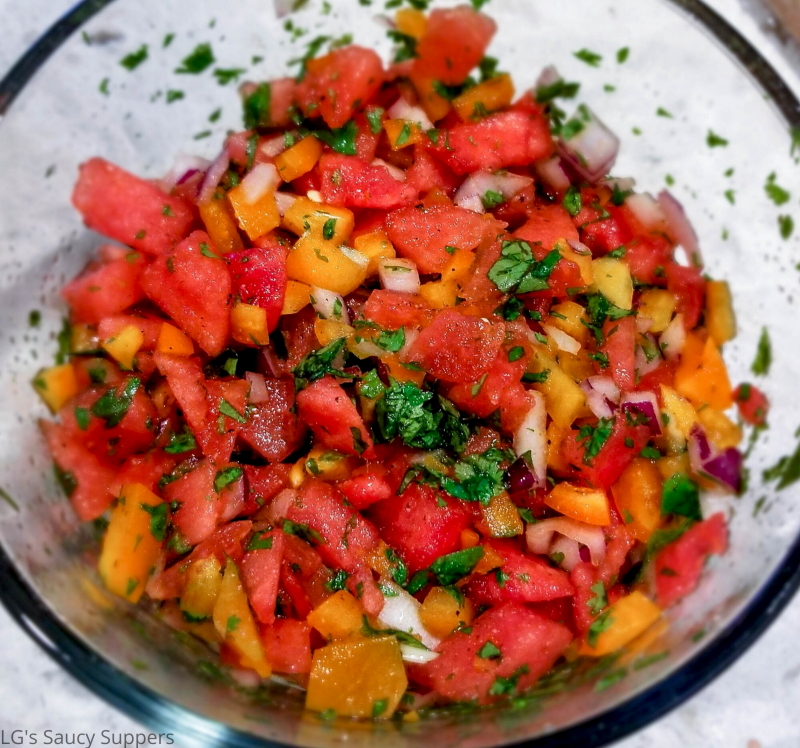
x,y
201,58
517,270
112,407
715,141
763,360
597,603
775,192
180,443
594,438
601,624
134,59
786,226
590,58
159,519
342,139
572,201
451,568
622,55
258,107
681,496
318,364
227,476
489,651
260,542
302,531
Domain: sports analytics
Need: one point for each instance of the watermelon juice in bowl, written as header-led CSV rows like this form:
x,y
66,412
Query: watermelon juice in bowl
x,y
404,411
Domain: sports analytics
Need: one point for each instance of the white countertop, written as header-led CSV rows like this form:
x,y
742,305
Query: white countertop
x,y
753,705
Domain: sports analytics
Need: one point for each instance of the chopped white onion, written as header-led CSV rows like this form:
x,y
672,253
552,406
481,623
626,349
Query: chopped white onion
x,y
601,395
539,536
401,612
591,151
680,228
411,338
647,362
643,324
569,549
623,184
273,146
416,655
359,258
401,109
285,200
184,164
551,172
471,193
279,506
564,342
397,274
606,386
329,305
396,173
262,180
213,176
647,210
673,338
365,348
532,437
258,388
315,196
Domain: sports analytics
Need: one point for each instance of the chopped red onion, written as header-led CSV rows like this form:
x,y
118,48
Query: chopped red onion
x,y
700,450
184,168
644,404
647,210
586,554
520,477
568,550
268,362
401,109
273,147
552,173
258,388
471,193
726,469
591,151
673,339
397,274
213,176
680,229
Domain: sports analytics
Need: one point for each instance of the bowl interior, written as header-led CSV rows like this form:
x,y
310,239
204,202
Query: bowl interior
x,y
83,103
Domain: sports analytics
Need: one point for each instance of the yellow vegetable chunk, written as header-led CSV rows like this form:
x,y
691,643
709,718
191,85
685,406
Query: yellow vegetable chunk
x,y
501,518
376,247
441,614
658,305
681,416
583,261
486,97
217,216
587,505
397,370
351,677
249,325
439,294
56,386
674,464
300,159
124,346
720,317
173,341
402,133
256,217
200,593
434,104
340,616
630,617
326,464
570,317
306,217
298,297
321,263
564,399
721,431
328,330
298,475
612,278
702,376
459,265
637,495
83,338
234,622
411,22
130,550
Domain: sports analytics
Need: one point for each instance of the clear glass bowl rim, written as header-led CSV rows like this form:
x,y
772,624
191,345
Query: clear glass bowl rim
x,y
157,713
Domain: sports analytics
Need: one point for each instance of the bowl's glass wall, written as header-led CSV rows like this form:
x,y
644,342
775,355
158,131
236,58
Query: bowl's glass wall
x,y
62,118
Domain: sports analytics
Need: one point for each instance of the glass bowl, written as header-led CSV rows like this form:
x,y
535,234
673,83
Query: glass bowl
x,y
72,99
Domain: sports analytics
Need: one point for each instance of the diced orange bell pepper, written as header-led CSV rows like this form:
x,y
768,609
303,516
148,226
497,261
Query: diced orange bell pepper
x,y
321,263
402,133
320,221
637,495
674,464
501,518
297,297
200,593
442,612
487,97
459,265
130,546
629,617
401,372
411,22
434,104
439,294
249,325
56,386
326,464
720,317
300,159
658,305
376,246
358,677
490,560
234,622
124,346
340,616
587,505
220,224
555,455
256,218
703,380
470,538
173,341
83,338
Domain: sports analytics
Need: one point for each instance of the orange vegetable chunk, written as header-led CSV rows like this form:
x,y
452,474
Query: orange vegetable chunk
x,y
587,505
637,495
630,616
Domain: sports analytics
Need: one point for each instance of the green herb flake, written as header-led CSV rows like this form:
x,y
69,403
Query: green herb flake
x,y
594,438
775,192
260,542
228,410
5,496
232,624
379,707
134,59
590,58
329,229
785,226
159,520
319,364
601,624
225,76
131,586
572,201
227,476
342,140
374,115
597,603
489,652
492,199
715,141
610,679
661,112
763,360
453,567
257,107
82,417
516,353
201,58
517,270
113,406
302,531
103,87
647,660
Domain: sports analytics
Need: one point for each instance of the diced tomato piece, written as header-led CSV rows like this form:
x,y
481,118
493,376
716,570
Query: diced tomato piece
x,y
272,429
124,207
664,374
348,181
368,488
264,483
619,542
90,476
227,408
201,504
261,570
299,338
647,257
499,140
483,398
194,289
187,383
287,646
421,235
290,581
283,94
259,278
458,347
689,287
752,403
428,173
605,235
147,469
420,525
523,578
680,564
516,211
334,420
583,576
393,309
339,83
366,140
455,41
105,290
619,345
529,646
150,327
547,225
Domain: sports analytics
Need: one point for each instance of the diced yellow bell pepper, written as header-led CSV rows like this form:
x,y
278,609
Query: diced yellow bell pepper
x,y
200,593
249,325
340,616
564,399
328,330
351,677
234,622
306,217
56,386
326,464
612,278
720,317
375,246
500,518
321,263
680,417
703,380
570,317
378,559
673,464
577,366
130,549
489,96
637,495
721,431
124,346
173,341
298,297
583,261
587,505
490,560
434,104
459,265
300,159
403,133
411,22
441,613
439,294
630,616
298,474
257,218
657,305
83,338
217,217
